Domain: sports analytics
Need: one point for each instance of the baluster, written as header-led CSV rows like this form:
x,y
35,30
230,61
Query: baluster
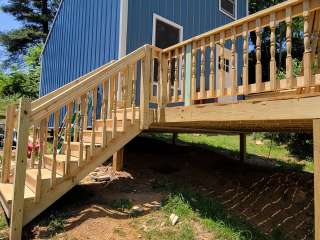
x,y
202,70
245,73
273,67
133,79
176,75
182,87
94,116
159,60
68,138
124,98
222,66
289,73
212,84
55,147
114,110
111,100
34,142
85,111
233,64
193,72
43,128
81,127
45,140
169,77
307,62
7,148
104,113
163,85
76,122
258,56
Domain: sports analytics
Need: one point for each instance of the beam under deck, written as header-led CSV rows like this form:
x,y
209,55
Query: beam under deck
x,y
272,115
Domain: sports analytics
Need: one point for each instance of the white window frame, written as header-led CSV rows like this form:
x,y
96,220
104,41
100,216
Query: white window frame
x,y
227,13
173,24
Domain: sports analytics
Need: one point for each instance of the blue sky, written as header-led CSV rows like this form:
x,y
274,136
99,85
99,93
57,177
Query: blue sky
x,y
7,22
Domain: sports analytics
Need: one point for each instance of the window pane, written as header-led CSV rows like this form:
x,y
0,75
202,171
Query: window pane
x,y
228,6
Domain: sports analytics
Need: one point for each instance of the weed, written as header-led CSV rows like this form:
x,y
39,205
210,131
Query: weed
x,y
122,204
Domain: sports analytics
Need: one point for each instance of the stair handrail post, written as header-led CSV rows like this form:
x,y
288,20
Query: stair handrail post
x,y
163,82
23,121
145,88
7,146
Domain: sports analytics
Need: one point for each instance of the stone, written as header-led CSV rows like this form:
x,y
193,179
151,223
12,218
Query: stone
x,y
174,219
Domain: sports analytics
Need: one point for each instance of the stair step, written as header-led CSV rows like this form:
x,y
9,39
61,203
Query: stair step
x,y
61,161
87,136
31,178
6,194
100,122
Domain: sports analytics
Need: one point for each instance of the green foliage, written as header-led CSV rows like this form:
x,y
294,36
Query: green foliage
x,y
18,83
296,69
36,17
122,204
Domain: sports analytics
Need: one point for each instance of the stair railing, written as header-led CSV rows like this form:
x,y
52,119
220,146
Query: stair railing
x,y
37,117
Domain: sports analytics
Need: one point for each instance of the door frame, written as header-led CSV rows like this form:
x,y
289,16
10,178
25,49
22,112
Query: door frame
x,y
173,24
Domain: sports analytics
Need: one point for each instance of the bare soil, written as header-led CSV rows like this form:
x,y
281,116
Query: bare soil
x,y
268,198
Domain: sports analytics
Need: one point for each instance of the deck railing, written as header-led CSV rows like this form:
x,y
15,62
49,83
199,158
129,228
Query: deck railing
x,y
191,71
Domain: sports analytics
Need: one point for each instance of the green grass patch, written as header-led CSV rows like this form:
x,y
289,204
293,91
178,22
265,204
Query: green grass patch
x,y
229,145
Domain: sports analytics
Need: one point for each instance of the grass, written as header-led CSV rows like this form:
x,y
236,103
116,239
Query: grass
x,y
229,145
198,215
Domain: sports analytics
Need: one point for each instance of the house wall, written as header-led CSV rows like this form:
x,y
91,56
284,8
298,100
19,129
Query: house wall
x,y
85,35
196,17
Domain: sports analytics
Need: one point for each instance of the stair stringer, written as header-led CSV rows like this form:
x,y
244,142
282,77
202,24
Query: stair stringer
x,y
33,209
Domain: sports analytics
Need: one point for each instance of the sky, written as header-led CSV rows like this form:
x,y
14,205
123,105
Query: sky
x,y
7,22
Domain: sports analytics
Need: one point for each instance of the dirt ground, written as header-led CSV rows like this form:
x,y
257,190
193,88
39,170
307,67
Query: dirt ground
x,y
267,198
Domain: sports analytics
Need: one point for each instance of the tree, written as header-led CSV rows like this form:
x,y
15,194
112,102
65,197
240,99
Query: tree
x,y
36,16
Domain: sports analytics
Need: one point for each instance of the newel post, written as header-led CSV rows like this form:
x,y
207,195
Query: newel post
x,y
23,121
145,89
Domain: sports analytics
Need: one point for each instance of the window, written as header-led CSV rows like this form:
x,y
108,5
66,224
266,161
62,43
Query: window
x,y
228,7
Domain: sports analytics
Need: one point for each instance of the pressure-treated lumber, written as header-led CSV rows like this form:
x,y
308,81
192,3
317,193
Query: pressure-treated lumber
x,y
243,146
117,160
7,148
16,222
316,147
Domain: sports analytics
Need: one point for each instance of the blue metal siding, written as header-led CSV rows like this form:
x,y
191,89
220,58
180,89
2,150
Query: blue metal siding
x,y
85,36
196,17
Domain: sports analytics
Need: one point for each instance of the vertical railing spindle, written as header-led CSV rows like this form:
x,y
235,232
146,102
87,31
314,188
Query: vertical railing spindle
x,y
68,138
222,65
212,84
114,107
273,67
258,56
93,121
202,70
104,112
55,147
176,76
307,62
81,127
193,72
289,73
245,70
233,64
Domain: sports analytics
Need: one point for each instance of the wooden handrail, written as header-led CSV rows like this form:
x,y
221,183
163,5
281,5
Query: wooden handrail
x,y
82,87
64,88
280,13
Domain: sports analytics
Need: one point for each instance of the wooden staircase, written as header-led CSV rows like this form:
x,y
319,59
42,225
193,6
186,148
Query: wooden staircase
x,y
89,120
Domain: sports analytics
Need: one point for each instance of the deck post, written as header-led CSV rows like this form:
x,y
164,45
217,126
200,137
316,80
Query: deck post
x,y
316,149
163,86
7,148
145,89
16,221
243,147
188,70
117,160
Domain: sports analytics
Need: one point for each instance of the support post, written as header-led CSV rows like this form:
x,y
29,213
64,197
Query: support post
x,y
20,170
117,160
243,146
188,72
145,89
316,150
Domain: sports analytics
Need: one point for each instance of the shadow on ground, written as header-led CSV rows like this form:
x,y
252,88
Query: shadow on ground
x,y
277,202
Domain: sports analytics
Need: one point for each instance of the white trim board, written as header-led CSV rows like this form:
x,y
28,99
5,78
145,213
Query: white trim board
x,y
165,20
228,14
123,25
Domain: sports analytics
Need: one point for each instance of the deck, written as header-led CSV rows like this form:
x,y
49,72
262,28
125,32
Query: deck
x,y
199,88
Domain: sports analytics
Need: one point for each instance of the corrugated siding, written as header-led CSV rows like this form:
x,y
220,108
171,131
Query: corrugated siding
x,y
85,35
196,17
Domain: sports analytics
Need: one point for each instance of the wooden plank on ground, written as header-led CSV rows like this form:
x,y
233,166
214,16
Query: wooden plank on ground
x,y
118,160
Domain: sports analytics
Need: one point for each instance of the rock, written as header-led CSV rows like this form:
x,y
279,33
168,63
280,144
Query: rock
x,y
174,219
100,178
300,197
259,142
